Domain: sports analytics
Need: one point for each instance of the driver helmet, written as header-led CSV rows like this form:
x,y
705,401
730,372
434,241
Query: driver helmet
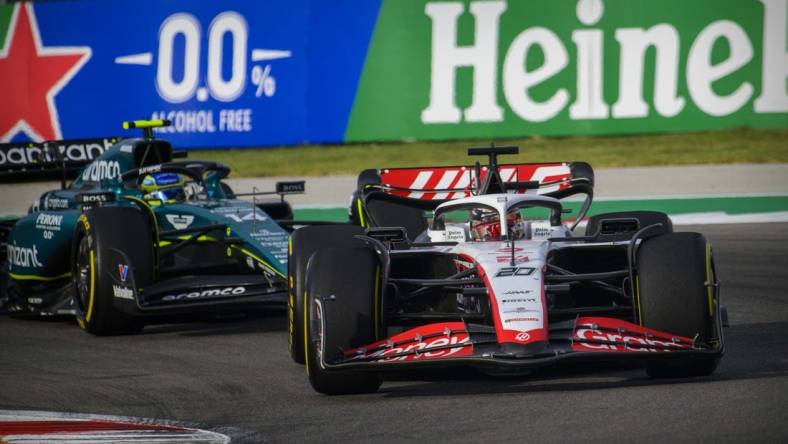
x,y
486,226
163,187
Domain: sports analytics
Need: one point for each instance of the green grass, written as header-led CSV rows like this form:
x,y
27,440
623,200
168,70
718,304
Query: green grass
x,y
743,145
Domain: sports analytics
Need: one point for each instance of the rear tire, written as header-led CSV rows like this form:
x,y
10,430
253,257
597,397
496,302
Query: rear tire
x,y
303,243
673,297
94,271
343,287
279,210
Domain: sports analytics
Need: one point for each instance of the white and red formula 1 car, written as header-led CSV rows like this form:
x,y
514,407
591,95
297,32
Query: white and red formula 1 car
x,y
474,266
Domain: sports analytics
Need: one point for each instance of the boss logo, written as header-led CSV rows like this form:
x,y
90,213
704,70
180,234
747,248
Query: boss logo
x,y
290,187
88,198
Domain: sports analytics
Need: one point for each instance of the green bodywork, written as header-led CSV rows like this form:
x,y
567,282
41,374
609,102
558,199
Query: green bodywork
x,y
40,243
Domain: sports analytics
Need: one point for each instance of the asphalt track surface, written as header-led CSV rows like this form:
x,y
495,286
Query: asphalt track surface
x,y
235,376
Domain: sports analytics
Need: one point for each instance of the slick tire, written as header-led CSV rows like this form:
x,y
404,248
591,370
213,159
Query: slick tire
x,y
611,222
100,234
277,210
343,291
673,296
303,243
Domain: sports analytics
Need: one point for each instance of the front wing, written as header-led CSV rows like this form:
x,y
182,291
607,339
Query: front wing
x,y
460,344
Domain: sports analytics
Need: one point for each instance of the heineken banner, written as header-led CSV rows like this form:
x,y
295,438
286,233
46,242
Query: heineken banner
x,y
259,73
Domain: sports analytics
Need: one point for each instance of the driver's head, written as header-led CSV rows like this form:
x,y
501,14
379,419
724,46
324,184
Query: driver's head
x,y
485,225
163,187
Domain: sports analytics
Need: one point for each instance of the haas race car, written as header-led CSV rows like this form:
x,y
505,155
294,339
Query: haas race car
x,y
138,235
475,266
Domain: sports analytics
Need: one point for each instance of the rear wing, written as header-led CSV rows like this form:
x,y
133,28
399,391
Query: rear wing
x,y
64,159
454,182
49,160
400,196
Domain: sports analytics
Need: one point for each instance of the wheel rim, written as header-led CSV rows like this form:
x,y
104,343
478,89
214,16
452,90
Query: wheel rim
x,y
82,276
317,330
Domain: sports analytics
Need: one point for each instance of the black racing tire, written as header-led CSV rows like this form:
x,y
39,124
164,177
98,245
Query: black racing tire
x,y
98,233
643,218
343,290
303,243
673,296
278,210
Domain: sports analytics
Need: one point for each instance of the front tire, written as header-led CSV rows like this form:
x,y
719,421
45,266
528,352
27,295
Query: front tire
x,y
343,291
674,295
100,233
303,243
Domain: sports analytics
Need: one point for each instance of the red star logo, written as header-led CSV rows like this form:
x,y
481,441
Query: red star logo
x,y
31,76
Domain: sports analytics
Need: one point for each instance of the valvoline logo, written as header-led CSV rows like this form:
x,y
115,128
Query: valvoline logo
x,y
123,272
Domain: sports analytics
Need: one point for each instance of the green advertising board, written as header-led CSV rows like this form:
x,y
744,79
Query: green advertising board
x,y
483,69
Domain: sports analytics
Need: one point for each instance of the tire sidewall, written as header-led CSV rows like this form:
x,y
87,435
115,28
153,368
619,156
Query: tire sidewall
x,y
347,319
101,316
303,243
84,314
674,295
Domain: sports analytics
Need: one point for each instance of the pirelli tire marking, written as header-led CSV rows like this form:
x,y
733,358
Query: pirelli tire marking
x,y
83,220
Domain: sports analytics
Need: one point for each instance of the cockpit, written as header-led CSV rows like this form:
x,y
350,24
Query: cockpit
x,y
497,218
167,188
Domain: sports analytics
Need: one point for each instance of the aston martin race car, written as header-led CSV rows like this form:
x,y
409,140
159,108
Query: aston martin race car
x,y
139,235
480,266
